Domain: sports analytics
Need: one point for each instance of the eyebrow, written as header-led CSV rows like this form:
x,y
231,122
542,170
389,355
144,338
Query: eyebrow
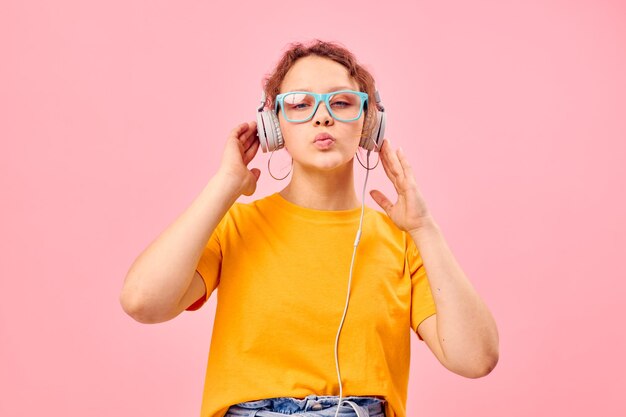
x,y
329,90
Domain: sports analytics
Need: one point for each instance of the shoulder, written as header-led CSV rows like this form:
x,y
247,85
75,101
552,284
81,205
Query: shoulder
x,y
382,224
381,218
243,212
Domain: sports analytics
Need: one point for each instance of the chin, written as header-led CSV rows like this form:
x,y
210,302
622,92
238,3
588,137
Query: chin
x,y
327,162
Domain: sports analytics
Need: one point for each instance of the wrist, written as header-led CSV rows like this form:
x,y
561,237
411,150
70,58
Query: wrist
x,y
427,226
227,185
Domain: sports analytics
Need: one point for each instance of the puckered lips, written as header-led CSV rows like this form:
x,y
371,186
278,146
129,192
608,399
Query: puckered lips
x,y
324,140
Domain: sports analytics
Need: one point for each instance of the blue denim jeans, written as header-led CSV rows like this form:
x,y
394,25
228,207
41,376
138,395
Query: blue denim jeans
x,y
310,406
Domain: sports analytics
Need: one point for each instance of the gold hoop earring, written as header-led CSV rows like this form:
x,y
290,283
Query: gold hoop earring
x,y
270,170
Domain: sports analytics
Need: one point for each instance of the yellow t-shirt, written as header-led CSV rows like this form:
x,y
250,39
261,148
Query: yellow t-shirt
x,y
281,273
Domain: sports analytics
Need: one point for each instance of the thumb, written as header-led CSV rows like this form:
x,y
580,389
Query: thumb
x,y
381,200
250,184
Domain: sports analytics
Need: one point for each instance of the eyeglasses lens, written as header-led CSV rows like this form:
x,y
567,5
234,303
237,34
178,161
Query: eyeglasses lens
x,y
343,106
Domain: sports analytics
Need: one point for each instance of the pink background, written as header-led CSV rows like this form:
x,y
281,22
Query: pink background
x,y
113,117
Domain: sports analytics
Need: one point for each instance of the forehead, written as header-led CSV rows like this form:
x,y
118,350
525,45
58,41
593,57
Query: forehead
x,y
317,74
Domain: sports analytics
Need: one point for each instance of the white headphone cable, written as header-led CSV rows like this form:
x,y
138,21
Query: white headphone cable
x,y
356,243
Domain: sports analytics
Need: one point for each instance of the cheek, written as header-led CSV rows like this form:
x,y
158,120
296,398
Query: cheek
x,y
355,132
290,136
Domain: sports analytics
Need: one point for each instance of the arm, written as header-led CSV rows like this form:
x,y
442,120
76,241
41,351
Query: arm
x,y
162,280
463,334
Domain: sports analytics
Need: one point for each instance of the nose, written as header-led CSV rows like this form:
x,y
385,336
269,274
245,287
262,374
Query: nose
x,y
322,116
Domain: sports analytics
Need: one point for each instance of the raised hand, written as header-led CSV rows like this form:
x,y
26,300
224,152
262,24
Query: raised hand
x,y
240,148
409,213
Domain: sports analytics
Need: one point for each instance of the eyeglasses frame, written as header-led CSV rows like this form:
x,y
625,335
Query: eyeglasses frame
x,y
280,100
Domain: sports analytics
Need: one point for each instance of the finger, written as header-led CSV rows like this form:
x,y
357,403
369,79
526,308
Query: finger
x,y
252,148
239,130
386,143
383,146
392,161
387,170
404,161
233,144
393,177
383,152
249,141
394,165
249,135
249,154
251,129
382,201
387,164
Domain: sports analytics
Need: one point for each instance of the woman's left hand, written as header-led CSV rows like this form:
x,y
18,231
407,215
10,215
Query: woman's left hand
x,y
410,212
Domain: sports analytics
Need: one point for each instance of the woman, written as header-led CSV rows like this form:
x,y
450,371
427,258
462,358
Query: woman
x,y
288,265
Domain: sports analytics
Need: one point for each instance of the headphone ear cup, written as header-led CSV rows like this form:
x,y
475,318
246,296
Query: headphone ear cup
x,y
374,141
260,131
268,128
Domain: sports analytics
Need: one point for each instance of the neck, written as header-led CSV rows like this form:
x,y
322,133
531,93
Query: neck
x,y
322,190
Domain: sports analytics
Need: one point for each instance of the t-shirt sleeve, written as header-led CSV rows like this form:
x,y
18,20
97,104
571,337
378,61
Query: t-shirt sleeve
x,y
210,263
422,302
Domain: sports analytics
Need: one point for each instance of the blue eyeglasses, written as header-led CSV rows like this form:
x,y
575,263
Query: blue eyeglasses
x,y
300,106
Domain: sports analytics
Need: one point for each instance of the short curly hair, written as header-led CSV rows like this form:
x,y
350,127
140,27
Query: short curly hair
x,y
337,53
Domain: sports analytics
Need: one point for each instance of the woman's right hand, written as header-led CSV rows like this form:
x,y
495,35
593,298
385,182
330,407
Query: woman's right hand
x,y
241,146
